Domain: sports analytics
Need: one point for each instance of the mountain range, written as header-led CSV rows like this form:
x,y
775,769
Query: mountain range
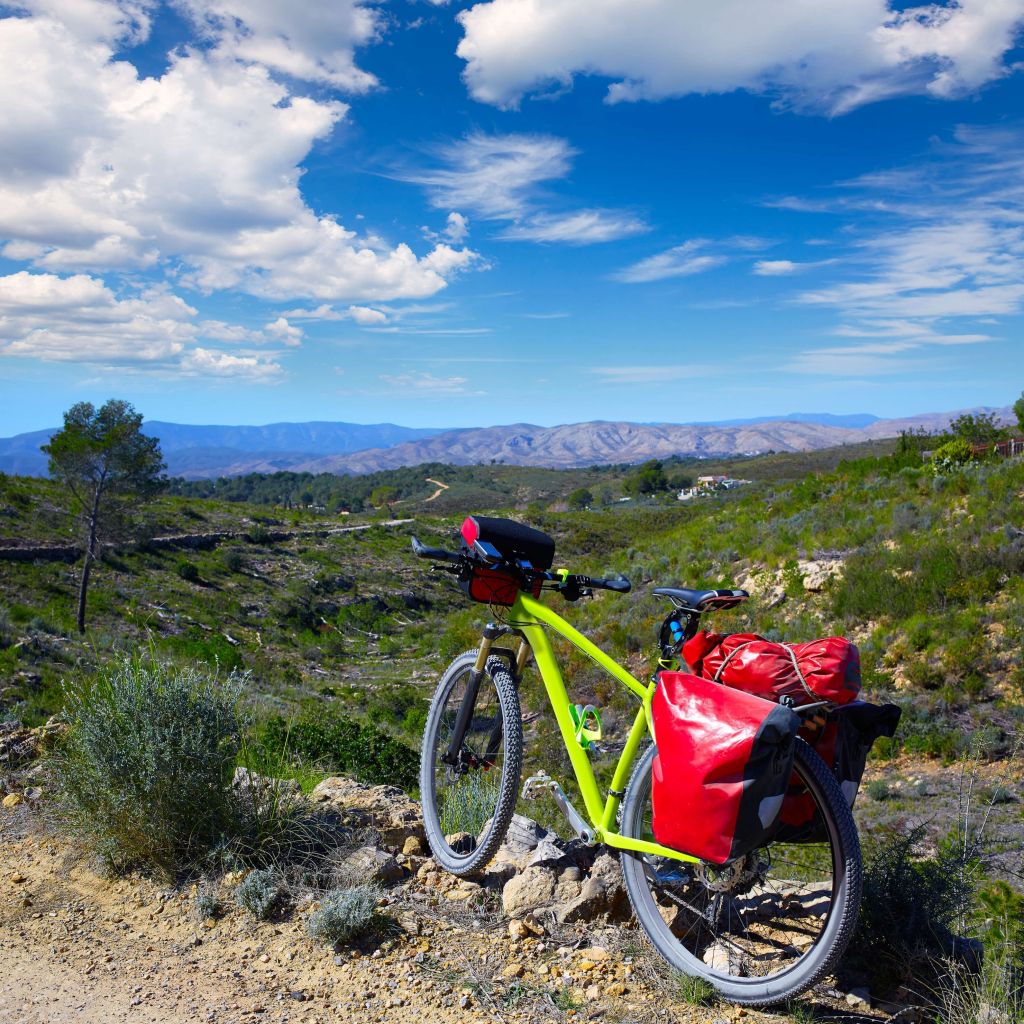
x,y
195,451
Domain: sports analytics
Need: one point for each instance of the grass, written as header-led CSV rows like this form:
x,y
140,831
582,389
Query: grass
x,y
469,804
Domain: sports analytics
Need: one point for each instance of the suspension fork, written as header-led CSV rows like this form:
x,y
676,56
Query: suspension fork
x,y
517,660
465,715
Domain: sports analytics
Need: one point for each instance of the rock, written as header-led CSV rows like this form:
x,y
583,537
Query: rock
x,y
12,800
859,997
602,895
615,989
546,851
262,789
595,953
33,793
523,837
721,957
513,971
517,930
775,597
412,847
534,888
384,808
17,878
817,573
368,864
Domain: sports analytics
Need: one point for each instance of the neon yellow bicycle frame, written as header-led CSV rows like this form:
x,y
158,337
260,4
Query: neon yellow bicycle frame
x,y
531,617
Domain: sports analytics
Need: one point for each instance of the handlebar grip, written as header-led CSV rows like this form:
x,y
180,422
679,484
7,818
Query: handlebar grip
x,y
620,585
438,554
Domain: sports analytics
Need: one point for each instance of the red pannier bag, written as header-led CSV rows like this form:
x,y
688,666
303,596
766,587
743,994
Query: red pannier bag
x,y
843,743
722,769
827,669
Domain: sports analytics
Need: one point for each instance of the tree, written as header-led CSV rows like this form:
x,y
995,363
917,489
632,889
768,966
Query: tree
x,y
1018,411
982,428
648,478
109,467
383,495
579,499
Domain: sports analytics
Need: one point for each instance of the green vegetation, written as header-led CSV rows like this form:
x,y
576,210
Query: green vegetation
x,y
145,773
344,914
108,468
260,893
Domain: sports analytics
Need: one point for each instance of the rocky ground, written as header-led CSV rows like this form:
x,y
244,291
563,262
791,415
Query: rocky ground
x,y
544,934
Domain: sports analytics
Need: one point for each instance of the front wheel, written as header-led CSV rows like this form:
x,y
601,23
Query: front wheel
x,y
469,794
769,926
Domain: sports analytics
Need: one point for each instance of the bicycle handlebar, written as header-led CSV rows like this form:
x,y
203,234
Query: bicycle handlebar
x,y
570,585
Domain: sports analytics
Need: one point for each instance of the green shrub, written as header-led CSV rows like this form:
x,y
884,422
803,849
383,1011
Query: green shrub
x,y
344,745
878,789
208,902
144,775
6,628
950,456
187,571
259,893
910,905
344,914
212,649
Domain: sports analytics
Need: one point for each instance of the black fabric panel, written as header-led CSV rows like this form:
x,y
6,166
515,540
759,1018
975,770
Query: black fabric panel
x,y
516,540
766,777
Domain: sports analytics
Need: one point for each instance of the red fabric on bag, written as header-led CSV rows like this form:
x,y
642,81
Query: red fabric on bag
x,y
746,661
722,769
697,646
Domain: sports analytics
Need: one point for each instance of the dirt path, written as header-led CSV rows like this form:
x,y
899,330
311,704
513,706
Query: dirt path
x,y
440,488
75,947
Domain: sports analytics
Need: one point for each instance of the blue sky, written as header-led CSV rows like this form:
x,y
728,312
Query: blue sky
x,y
444,214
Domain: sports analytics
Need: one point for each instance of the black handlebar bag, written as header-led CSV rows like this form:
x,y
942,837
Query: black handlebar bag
x,y
722,769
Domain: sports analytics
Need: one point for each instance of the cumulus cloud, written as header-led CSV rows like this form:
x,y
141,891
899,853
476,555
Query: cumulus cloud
x,y
831,55
310,41
498,177
103,170
79,319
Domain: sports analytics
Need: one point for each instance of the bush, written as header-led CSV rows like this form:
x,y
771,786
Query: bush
x,y
187,571
208,902
344,914
909,907
344,745
259,893
950,456
144,775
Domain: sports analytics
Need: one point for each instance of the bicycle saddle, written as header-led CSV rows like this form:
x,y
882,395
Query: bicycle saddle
x,y
702,600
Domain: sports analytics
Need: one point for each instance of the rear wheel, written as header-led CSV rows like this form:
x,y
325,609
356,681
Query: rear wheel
x,y
468,804
767,927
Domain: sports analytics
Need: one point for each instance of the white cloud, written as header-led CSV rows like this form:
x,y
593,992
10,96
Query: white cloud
x,y
79,319
197,169
364,315
680,261
314,42
284,332
427,385
647,374
938,247
458,227
497,177
830,55
581,227
775,268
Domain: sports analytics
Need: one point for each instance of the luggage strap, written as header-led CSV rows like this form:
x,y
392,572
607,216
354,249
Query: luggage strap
x,y
792,657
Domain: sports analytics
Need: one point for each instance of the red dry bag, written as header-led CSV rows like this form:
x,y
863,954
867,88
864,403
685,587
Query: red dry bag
x,y
827,669
722,768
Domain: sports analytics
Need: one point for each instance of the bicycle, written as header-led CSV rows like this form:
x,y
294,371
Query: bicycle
x,y
762,929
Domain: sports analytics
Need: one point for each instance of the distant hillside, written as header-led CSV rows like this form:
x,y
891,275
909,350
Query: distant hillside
x,y
601,443
206,452
195,450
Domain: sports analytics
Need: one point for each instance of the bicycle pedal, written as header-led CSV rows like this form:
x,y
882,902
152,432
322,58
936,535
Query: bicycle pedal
x,y
535,783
